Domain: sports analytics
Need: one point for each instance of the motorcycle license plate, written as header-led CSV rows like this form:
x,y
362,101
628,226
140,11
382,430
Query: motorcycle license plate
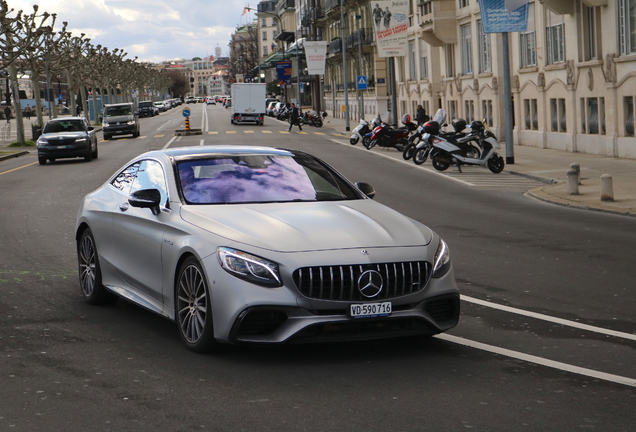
x,y
368,310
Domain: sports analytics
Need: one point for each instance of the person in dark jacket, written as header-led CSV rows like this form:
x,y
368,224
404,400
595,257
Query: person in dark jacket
x,y
420,115
294,117
7,113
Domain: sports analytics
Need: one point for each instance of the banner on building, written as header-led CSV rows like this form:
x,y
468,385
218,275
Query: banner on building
x,y
316,56
504,16
284,72
390,20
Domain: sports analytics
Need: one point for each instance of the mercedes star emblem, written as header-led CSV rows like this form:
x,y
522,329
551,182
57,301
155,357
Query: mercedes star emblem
x,y
370,283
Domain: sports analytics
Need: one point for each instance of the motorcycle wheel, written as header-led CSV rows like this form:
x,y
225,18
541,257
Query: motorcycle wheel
x,y
401,144
439,164
421,155
318,123
496,164
409,151
369,143
353,141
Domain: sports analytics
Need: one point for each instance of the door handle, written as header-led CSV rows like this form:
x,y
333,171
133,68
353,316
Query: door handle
x,y
123,206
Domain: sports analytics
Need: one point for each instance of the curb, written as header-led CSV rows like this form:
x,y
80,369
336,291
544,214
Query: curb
x,y
534,193
14,155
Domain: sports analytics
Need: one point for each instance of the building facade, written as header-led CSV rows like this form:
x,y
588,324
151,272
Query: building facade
x,y
573,72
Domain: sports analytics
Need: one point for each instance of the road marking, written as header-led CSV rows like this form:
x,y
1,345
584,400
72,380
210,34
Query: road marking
x,y
248,131
160,136
230,132
15,169
266,131
320,133
213,133
284,132
201,142
539,360
165,124
549,318
169,142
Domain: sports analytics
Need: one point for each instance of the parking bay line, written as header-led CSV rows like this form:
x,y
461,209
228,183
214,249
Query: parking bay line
x,y
539,360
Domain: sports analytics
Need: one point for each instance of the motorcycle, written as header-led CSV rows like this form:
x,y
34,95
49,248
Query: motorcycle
x,y
283,114
459,150
385,136
311,119
359,132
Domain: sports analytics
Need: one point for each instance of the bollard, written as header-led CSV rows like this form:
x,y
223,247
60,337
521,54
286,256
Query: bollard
x,y
573,185
576,167
607,188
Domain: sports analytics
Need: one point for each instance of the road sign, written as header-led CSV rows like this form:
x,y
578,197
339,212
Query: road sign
x,y
362,82
186,112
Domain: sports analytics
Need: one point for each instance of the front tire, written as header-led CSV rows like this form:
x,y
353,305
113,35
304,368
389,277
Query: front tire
x,y
496,164
194,308
90,274
42,160
439,164
354,140
421,155
409,151
95,153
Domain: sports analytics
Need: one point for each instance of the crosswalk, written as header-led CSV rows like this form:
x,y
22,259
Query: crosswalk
x,y
482,177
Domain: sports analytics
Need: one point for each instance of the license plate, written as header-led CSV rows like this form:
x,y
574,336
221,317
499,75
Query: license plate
x,y
60,147
367,310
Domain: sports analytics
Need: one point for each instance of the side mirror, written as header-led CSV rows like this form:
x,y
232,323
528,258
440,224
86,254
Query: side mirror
x,y
146,198
90,128
366,189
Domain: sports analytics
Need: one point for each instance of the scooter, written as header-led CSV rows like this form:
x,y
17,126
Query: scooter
x,y
460,151
360,131
310,119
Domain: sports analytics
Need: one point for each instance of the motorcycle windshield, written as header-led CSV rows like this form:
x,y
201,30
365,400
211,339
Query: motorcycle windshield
x,y
440,116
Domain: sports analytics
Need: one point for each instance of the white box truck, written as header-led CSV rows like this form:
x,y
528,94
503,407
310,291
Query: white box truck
x,y
248,102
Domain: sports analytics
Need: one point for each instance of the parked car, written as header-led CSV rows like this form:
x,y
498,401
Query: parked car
x,y
120,119
211,101
160,106
247,244
67,137
270,109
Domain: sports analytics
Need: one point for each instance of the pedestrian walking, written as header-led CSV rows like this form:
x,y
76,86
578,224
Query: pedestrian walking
x,y
27,112
7,113
420,115
294,118
78,110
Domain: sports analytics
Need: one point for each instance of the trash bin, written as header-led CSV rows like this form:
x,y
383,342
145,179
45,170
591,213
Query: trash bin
x,y
36,131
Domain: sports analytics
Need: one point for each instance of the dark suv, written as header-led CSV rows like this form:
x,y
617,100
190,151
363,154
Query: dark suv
x,y
120,119
67,137
147,108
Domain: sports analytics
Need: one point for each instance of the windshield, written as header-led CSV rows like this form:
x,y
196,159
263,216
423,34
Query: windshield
x,y
260,179
114,111
65,126
147,104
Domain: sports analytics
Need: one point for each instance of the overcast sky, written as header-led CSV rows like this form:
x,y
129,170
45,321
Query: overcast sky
x,y
153,30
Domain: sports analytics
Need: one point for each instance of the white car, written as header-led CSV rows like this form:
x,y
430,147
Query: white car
x,y
244,244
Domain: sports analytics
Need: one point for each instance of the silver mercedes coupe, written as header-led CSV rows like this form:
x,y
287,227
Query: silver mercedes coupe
x,y
260,245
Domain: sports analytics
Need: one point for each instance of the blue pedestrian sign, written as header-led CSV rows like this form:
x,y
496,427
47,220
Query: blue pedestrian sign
x,y
362,82
186,112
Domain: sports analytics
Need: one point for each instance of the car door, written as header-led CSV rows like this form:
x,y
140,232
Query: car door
x,y
137,234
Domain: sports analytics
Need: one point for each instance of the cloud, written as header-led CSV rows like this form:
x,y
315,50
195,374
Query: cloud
x,y
152,30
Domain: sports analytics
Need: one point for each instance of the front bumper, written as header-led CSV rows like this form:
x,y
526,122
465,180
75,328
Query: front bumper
x,y
122,129
63,151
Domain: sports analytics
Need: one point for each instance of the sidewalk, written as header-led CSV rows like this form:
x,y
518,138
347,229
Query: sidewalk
x,y
551,166
548,166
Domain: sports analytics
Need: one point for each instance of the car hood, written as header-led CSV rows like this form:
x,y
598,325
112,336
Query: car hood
x,y
64,135
120,119
297,227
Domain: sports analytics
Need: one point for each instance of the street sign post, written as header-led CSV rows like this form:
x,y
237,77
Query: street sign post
x,y
362,82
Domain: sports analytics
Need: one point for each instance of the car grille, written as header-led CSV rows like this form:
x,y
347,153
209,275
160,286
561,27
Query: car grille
x,y
341,282
60,142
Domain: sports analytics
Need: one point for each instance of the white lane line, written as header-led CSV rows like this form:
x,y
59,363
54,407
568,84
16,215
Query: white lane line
x,y
539,360
549,318
163,125
169,142
405,162
202,142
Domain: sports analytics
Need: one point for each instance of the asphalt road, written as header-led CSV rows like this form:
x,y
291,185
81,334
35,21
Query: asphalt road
x,y
546,340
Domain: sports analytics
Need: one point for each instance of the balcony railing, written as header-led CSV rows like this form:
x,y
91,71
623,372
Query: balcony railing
x,y
335,46
331,4
284,4
359,37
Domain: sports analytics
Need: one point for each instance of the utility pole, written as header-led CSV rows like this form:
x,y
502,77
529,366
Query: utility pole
x,y
344,65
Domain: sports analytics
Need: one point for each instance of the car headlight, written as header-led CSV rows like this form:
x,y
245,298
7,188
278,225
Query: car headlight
x,y
249,267
80,140
42,142
132,122
442,260
105,124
